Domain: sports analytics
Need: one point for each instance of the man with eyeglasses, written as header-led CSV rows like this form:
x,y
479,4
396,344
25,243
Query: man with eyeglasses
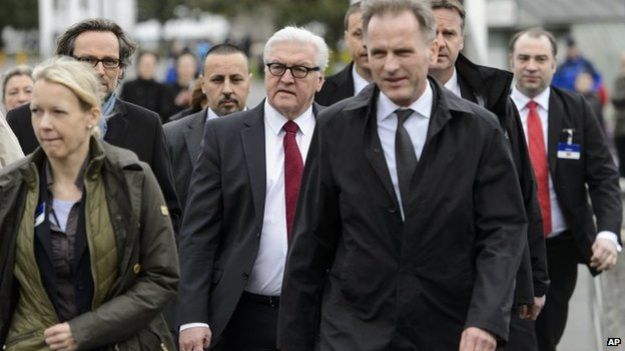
x,y
241,204
105,46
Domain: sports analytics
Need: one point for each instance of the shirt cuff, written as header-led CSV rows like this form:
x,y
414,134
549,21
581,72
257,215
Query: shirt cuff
x,y
192,325
612,237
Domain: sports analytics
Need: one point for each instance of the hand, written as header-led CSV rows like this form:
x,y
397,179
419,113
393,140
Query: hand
x,y
195,339
59,337
532,311
475,339
604,254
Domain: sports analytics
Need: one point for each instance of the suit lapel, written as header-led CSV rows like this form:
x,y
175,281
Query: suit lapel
x,y
372,145
554,127
193,135
117,125
253,138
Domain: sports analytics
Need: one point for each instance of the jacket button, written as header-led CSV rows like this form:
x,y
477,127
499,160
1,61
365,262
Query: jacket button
x,y
136,268
391,210
258,234
245,275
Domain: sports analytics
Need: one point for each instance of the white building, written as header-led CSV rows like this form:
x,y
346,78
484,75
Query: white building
x,y
55,16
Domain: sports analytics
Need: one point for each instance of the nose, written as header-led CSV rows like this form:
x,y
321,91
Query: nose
x,y
227,89
23,97
99,68
45,121
287,77
391,64
440,40
531,65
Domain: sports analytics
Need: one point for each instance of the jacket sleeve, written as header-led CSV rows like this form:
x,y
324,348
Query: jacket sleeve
x,y
161,165
201,233
601,174
500,237
315,234
155,281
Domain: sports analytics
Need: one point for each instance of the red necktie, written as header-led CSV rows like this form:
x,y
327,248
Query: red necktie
x,y
538,155
293,167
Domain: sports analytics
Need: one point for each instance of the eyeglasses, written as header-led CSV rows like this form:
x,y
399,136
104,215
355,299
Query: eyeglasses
x,y
107,62
278,69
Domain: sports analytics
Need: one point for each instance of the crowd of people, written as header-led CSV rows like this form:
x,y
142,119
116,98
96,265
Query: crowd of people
x,y
415,200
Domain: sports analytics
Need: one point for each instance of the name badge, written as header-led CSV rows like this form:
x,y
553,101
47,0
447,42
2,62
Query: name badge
x,y
569,151
40,214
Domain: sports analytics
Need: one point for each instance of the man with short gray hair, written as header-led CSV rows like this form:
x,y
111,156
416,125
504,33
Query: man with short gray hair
x,y
242,198
411,224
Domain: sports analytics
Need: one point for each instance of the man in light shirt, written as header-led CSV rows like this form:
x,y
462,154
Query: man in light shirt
x,y
355,76
242,199
571,162
411,224
490,88
226,83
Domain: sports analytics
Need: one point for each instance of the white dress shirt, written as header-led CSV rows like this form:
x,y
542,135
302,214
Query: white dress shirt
x,y
359,82
210,114
266,275
558,224
452,84
416,125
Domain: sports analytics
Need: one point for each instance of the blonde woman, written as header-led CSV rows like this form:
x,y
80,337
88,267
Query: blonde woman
x,y
87,252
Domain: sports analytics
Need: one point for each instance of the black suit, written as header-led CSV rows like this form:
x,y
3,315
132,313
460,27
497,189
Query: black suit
x,y
490,87
131,127
183,141
223,219
596,170
337,87
149,94
358,278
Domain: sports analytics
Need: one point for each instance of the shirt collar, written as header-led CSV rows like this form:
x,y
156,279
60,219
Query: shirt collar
x,y
521,99
359,82
210,114
452,84
275,120
423,105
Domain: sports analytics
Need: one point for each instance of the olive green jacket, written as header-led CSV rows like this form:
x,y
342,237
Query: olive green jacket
x,y
130,318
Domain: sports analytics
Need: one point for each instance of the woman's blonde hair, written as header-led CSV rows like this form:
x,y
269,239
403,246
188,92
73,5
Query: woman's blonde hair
x,y
76,76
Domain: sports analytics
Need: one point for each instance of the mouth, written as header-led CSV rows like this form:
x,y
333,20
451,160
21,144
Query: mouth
x,y
228,102
285,92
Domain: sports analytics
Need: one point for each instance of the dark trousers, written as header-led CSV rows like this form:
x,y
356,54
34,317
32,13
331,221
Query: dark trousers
x,y
562,262
253,325
522,335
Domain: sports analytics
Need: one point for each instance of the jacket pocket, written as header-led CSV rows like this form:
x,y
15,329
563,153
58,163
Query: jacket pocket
x,y
156,336
21,338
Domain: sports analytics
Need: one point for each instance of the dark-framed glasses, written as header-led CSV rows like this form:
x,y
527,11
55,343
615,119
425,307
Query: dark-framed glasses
x,y
297,71
107,62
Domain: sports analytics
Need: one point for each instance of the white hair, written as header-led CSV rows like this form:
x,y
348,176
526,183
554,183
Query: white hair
x,y
299,35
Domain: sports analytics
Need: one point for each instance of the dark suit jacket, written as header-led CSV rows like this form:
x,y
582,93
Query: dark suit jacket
x,y
131,127
337,87
358,278
149,94
595,169
183,141
490,88
223,219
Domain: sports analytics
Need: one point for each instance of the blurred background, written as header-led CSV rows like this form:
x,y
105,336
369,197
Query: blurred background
x,y
592,30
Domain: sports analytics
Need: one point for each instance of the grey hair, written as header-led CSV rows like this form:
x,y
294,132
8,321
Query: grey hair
x,y
421,9
299,35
